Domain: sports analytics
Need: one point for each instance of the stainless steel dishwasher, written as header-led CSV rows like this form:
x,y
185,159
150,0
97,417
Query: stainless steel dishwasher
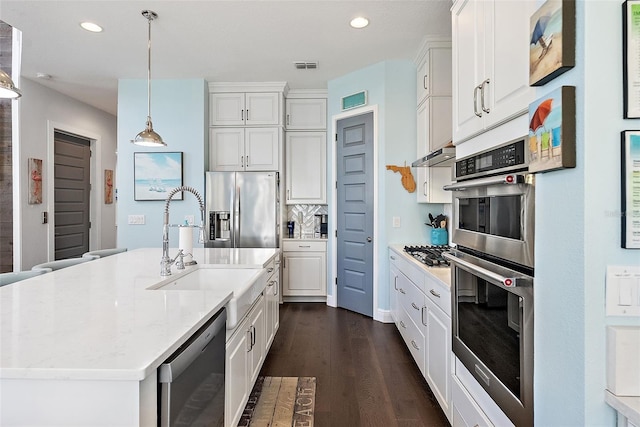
x,y
191,381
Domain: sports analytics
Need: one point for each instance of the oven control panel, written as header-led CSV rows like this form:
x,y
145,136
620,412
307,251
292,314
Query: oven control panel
x,y
507,157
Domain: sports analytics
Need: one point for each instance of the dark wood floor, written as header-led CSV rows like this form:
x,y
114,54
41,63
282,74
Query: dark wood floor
x,y
365,374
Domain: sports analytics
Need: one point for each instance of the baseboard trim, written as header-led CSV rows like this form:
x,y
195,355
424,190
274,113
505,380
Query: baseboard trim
x,y
383,316
332,301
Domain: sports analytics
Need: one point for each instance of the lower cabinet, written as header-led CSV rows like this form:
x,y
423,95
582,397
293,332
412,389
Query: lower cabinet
x,y
304,268
272,302
466,412
246,351
420,307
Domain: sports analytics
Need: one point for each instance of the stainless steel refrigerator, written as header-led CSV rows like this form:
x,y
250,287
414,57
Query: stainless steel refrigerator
x,y
242,209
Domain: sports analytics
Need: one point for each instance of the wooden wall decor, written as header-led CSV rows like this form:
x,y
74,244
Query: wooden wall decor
x,y
35,181
108,186
408,182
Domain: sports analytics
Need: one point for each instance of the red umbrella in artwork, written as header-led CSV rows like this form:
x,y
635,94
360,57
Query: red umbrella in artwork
x,y
540,115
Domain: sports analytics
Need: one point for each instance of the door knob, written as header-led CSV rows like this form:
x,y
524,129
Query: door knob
x,y
369,239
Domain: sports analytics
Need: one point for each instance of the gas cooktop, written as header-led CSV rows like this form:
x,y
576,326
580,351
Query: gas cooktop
x,y
429,255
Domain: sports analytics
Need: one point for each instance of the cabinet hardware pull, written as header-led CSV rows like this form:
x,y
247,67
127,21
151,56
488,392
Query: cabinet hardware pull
x,y
424,188
395,282
276,289
392,257
424,82
288,195
250,346
422,316
402,324
304,246
475,101
434,293
484,108
269,270
247,160
253,336
242,161
284,263
241,114
402,291
413,304
413,343
288,120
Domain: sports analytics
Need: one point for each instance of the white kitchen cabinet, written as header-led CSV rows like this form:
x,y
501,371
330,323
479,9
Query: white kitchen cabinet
x,y
244,109
433,77
245,352
306,114
466,412
244,149
429,183
393,287
490,64
433,120
304,268
272,303
306,168
438,355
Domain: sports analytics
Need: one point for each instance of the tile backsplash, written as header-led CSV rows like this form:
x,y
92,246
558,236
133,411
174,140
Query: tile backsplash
x,y
308,213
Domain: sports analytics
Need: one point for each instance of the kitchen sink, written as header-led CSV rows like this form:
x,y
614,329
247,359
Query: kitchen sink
x,y
245,283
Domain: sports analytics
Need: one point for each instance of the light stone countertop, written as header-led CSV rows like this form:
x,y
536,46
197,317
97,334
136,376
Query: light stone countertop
x,y
441,273
98,320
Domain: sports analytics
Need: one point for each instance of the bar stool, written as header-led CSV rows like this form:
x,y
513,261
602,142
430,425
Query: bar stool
x,y
63,263
101,253
16,276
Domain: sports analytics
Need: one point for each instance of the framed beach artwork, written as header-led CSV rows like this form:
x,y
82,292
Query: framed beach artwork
x,y
630,189
552,44
35,181
156,174
552,131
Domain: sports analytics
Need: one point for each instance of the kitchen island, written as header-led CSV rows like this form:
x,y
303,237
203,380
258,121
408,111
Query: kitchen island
x,y
81,345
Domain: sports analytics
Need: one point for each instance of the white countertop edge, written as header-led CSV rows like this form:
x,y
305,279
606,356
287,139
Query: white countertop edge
x,y
629,406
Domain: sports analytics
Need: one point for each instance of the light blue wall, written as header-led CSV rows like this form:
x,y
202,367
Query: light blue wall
x,y
179,112
578,233
390,85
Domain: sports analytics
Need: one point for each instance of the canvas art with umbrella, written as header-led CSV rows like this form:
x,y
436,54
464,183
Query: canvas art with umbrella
x,y
552,41
552,131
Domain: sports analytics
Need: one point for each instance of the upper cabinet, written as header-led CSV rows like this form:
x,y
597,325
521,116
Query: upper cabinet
x,y
244,149
433,77
306,168
490,64
306,114
244,109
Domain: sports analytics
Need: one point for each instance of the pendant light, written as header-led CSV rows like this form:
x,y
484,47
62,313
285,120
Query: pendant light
x,y
7,88
148,137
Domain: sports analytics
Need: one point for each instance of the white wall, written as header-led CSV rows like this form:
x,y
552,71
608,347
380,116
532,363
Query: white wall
x,y
39,108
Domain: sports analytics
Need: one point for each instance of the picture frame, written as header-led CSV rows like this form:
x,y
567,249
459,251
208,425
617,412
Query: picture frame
x,y
631,58
35,181
155,174
552,41
552,131
630,209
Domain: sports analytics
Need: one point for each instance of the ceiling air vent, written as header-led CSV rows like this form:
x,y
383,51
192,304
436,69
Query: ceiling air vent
x,y
302,65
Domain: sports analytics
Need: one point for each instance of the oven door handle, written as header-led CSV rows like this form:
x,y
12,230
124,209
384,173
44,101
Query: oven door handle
x,y
507,282
484,182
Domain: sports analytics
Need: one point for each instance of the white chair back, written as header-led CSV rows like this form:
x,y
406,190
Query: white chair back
x,y
16,276
101,253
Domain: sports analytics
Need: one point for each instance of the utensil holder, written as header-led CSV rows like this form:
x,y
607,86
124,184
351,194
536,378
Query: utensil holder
x,y
439,236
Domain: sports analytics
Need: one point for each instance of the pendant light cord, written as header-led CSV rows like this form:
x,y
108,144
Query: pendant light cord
x,y
149,18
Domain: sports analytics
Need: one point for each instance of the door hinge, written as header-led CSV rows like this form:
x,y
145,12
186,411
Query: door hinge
x,y
89,224
336,137
336,185
336,280
336,233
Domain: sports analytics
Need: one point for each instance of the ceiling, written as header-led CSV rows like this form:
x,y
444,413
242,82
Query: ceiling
x,y
218,40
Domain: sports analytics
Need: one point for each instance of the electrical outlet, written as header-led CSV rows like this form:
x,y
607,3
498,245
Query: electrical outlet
x,y
190,219
136,219
396,222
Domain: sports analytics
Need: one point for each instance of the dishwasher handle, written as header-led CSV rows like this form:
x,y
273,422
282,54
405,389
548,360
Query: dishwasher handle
x,y
190,350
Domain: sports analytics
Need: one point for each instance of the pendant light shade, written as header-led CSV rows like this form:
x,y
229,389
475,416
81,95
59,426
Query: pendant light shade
x,y
148,137
7,88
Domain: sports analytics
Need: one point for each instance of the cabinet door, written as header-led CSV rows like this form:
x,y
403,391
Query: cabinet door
x,y
429,183
393,287
237,374
467,66
507,63
439,72
262,109
258,335
272,308
262,149
226,109
465,411
438,354
226,149
306,114
304,274
422,79
306,167
439,122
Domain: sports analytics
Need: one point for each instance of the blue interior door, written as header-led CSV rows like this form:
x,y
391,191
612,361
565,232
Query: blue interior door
x,y
355,213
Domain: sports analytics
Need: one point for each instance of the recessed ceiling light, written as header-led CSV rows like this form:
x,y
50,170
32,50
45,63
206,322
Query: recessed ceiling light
x,y
359,22
90,26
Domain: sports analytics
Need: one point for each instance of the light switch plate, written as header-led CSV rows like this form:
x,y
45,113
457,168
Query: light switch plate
x,y
623,291
396,222
136,219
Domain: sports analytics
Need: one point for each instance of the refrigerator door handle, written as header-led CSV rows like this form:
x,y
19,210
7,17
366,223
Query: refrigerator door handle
x,y
236,222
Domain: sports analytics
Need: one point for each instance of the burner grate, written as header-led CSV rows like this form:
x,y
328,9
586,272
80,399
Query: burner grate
x,y
429,255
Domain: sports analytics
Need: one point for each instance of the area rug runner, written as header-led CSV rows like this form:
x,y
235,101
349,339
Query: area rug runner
x,y
280,402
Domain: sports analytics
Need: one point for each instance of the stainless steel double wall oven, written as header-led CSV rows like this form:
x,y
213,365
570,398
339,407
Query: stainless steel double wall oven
x,y
492,270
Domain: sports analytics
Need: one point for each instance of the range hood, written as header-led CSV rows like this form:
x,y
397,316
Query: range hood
x,y
445,156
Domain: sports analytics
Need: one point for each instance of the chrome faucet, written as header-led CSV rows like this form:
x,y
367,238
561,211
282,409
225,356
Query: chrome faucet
x,y
167,262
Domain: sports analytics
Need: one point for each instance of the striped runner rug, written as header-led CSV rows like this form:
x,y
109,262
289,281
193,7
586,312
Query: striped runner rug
x,y
280,402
